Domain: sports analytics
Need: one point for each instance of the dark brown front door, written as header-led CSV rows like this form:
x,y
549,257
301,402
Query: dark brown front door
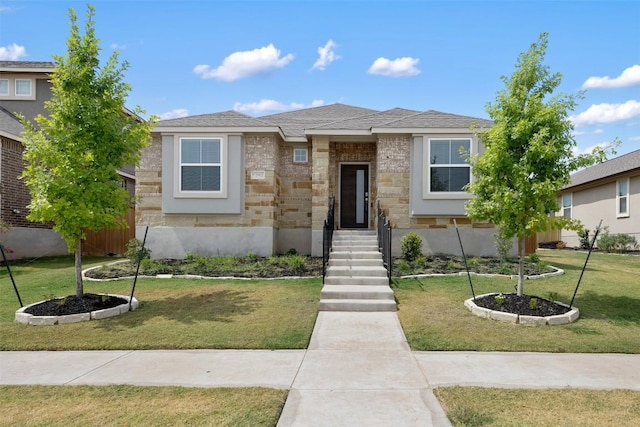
x,y
354,196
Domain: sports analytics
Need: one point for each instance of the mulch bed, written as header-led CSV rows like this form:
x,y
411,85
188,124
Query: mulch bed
x,y
74,305
522,305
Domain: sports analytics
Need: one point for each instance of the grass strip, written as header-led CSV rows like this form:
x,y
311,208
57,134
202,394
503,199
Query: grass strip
x,y
123,405
480,406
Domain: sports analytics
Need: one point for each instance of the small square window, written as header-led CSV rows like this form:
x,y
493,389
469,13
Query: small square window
x,y
300,155
23,87
4,87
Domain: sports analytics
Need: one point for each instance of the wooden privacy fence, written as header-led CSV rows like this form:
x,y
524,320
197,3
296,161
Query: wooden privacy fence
x,y
110,241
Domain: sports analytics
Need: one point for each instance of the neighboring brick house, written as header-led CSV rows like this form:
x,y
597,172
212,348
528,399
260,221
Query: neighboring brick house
x,y
24,88
610,192
227,183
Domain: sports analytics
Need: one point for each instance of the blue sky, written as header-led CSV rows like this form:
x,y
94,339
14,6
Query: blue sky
x,y
263,57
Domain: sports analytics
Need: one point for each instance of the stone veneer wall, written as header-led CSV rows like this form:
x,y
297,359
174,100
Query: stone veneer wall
x,y
394,162
260,203
294,189
347,152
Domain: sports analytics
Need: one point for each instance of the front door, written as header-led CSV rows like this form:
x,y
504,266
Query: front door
x,y
354,196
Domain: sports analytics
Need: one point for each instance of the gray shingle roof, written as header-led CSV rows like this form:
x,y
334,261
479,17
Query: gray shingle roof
x,y
27,64
9,123
224,119
612,167
436,119
330,117
367,121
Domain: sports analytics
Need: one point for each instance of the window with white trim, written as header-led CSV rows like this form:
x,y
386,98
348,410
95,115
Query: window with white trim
x,y
567,204
449,170
300,155
4,86
201,165
23,87
622,197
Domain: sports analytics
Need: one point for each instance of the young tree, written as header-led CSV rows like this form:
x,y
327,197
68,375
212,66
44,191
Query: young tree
x,y
72,155
528,154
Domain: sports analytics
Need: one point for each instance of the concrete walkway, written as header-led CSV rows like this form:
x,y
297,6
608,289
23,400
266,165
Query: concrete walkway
x,y
357,371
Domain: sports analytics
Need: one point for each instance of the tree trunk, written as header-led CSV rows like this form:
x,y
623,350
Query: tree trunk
x,y
78,258
521,250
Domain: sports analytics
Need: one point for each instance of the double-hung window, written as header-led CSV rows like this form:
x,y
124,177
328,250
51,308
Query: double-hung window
x,y
622,198
201,165
449,170
23,87
567,203
4,87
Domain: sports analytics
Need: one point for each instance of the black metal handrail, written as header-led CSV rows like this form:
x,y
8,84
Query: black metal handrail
x,y
327,236
384,240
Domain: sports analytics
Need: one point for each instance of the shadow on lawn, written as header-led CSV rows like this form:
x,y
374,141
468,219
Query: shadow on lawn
x,y
616,308
216,306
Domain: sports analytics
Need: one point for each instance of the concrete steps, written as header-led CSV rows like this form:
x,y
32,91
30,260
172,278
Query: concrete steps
x,y
356,279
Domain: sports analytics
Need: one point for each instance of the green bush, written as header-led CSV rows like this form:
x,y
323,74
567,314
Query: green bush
x,y
135,251
616,242
298,263
584,239
411,246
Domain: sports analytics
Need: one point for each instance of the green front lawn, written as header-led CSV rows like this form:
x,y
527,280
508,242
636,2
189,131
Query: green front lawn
x,y
433,316
173,313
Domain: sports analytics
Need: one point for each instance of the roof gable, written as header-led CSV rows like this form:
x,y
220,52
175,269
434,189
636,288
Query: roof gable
x,y
437,119
9,124
367,121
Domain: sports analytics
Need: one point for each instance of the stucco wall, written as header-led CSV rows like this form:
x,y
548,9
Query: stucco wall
x,y
599,203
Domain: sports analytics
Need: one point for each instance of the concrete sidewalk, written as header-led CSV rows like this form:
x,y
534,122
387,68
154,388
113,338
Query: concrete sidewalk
x,y
358,370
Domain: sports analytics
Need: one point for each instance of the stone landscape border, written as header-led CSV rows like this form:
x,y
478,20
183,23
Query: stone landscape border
x,y
561,319
557,272
30,319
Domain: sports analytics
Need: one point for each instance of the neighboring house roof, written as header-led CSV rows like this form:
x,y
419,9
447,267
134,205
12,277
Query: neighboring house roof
x,y
329,119
616,166
10,126
27,66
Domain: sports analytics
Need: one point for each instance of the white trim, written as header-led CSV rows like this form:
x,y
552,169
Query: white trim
x,y
177,163
620,214
426,168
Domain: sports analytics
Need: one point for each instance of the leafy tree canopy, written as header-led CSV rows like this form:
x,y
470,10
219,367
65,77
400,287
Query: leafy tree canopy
x,y
529,152
73,154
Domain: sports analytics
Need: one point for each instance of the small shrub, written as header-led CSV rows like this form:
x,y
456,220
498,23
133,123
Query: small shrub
x,y
251,255
135,251
584,239
533,303
616,242
503,245
500,298
297,263
534,258
553,296
411,246
291,251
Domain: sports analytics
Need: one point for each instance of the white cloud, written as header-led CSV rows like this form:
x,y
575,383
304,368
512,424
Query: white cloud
x,y
326,56
629,77
598,131
607,113
116,46
174,114
401,67
603,145
634,138
243,64
271,105
13,52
